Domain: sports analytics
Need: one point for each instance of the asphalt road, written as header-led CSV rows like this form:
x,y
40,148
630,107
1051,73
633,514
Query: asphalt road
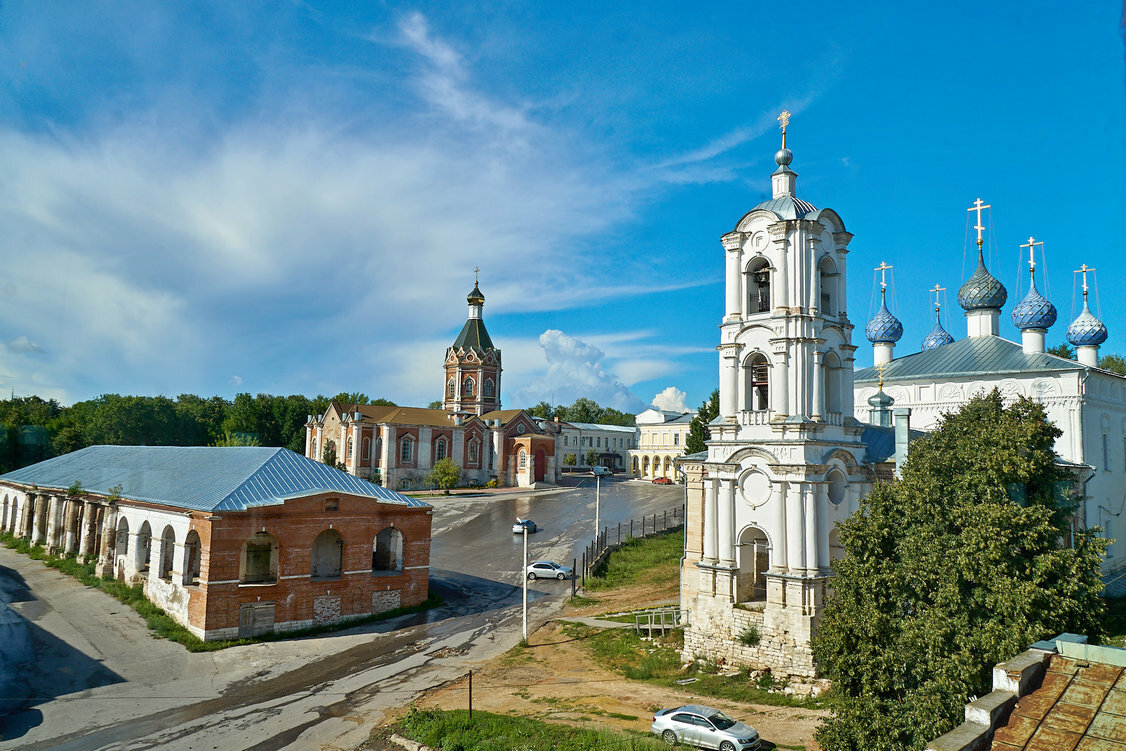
x,y
98,680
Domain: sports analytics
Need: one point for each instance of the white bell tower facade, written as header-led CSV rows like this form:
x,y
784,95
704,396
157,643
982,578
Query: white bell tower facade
x,y
785,459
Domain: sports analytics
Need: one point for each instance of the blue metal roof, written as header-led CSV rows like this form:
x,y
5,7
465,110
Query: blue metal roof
x,y
971,356
787,207
200,478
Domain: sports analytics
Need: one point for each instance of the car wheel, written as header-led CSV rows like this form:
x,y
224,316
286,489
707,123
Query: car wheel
x,y
559,576
532,575
727,746
669,737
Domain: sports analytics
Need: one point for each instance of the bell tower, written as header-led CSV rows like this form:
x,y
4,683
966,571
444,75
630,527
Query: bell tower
x,y
785,461
472,365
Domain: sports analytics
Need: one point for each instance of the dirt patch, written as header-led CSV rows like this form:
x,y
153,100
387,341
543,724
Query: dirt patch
x,y
556,679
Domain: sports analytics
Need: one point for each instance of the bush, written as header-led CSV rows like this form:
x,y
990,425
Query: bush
x,y
750,636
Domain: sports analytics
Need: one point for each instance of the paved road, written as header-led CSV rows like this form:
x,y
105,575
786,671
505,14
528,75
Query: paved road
x,y
99,681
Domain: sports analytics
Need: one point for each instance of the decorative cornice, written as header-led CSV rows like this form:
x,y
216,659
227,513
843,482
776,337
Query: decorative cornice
x,y
733,241
842,240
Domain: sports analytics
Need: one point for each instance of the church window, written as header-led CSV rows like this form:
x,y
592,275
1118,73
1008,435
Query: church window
x,y
827,285
350,454
757,372
405,450
833,383
488,387
467,387
474,450
440,449
758,287
367,449
451,388
523,459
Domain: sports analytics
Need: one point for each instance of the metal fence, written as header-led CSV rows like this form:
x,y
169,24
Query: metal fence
x,y
611,538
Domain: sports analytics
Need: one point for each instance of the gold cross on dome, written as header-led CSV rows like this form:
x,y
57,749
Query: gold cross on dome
x,y
1031,245
880,369
979,206
883,268
475,270
784,118
936,290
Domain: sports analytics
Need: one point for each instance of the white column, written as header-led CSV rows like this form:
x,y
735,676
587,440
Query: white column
x,y
809,502
320,444
818,385
89,528
387,455
821,506
734,248
779,385
726,521
54,511
778,501
132,556
780,289
479,394
795,522
709,521
155,547
423,458
1032,340
1088,355
728,380
179,559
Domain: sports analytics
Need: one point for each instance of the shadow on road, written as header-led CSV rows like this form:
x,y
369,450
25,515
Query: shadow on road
x,y
35,666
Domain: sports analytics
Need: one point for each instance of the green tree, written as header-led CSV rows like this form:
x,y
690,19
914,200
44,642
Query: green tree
x,y
570,460
350,398
1063,350
436,404
1113,363
237,439
611,416
698,433
543,409
952,569
591,458
444,474
584,410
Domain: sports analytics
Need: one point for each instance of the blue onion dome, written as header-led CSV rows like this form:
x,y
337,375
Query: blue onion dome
x,y
475,297
937,337
884,328
982,291
1086,330
1034,311
880,400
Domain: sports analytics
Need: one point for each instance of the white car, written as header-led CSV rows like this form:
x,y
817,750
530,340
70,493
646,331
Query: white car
x,y
548,570
601,472
694,725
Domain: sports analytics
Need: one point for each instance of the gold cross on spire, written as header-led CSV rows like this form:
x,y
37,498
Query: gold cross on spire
x,y
1083,270
936,290
475,270
883,268
784,119
1031,245
880,369
979,206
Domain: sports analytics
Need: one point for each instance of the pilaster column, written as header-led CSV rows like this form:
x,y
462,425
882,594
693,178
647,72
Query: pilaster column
x,y
55,507
733,244
479,394
809,501
425,438
73,525
389,452
26,516
178,560
728,380
89,531
710,528
821,505
726,521
320,444
38,518
109,542
795,523
155,548
134,557
779,386
781,288
778,504
818,385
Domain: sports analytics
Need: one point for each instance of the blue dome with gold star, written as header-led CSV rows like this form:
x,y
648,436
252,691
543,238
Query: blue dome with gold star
x,y
884,328
1034,311
1086,330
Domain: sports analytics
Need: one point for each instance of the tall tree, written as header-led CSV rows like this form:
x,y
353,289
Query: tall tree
x,y
698,433
1113,363
543,409
444,474
1063,350
952,569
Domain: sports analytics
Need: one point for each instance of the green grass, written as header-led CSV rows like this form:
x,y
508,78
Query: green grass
x,y
452,730
658,662
159,622
651,561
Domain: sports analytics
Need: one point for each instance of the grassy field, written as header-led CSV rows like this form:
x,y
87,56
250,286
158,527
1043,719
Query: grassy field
x,y
653,561
162,624
453,730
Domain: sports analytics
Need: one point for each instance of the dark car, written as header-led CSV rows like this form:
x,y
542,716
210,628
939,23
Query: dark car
x,y
520,525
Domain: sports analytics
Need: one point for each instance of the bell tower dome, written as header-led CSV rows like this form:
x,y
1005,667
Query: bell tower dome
x,y
472,366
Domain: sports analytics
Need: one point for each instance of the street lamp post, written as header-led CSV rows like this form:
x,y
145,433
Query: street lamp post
x,y
524,575
597,503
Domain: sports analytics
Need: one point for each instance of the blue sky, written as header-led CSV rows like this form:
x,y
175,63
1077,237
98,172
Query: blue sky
x,y
291,197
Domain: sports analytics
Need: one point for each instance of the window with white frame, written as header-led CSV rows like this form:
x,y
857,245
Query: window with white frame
x,y
439,449
406,449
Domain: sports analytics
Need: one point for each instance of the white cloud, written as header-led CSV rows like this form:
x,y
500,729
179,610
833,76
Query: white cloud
x,y
23,344
671,399
575,369
236,381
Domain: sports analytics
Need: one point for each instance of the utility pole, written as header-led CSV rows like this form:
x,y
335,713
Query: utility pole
x,y
524,575
597,499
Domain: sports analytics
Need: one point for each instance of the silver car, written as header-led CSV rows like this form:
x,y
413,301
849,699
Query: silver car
x,y
705,727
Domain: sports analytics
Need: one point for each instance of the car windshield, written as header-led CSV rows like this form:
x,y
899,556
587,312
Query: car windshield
x,y
721,721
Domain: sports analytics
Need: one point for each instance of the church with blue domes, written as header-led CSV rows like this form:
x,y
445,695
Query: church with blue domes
x,y
802,436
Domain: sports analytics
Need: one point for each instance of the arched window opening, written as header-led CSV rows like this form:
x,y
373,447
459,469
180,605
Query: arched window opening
x,y
406,450
757,373
523,459
167,552
474,451
758,287
754,562
834,395
451,388
467,387
387,550
144,548
439,449
827,284
366,449
350,454
328,555
122,544
488,387
838,487
191,558
259,561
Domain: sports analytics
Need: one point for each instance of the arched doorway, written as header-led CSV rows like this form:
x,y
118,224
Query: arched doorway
x,y
540,462
754,562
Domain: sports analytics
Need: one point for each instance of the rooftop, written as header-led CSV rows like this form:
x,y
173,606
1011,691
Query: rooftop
x,y
200,478
970,356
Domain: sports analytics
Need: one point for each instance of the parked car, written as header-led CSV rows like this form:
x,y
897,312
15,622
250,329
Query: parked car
x,y
694,725
548,570
520,525
601,472
662,481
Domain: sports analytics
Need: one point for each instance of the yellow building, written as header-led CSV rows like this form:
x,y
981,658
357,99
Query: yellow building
x,y
661,438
